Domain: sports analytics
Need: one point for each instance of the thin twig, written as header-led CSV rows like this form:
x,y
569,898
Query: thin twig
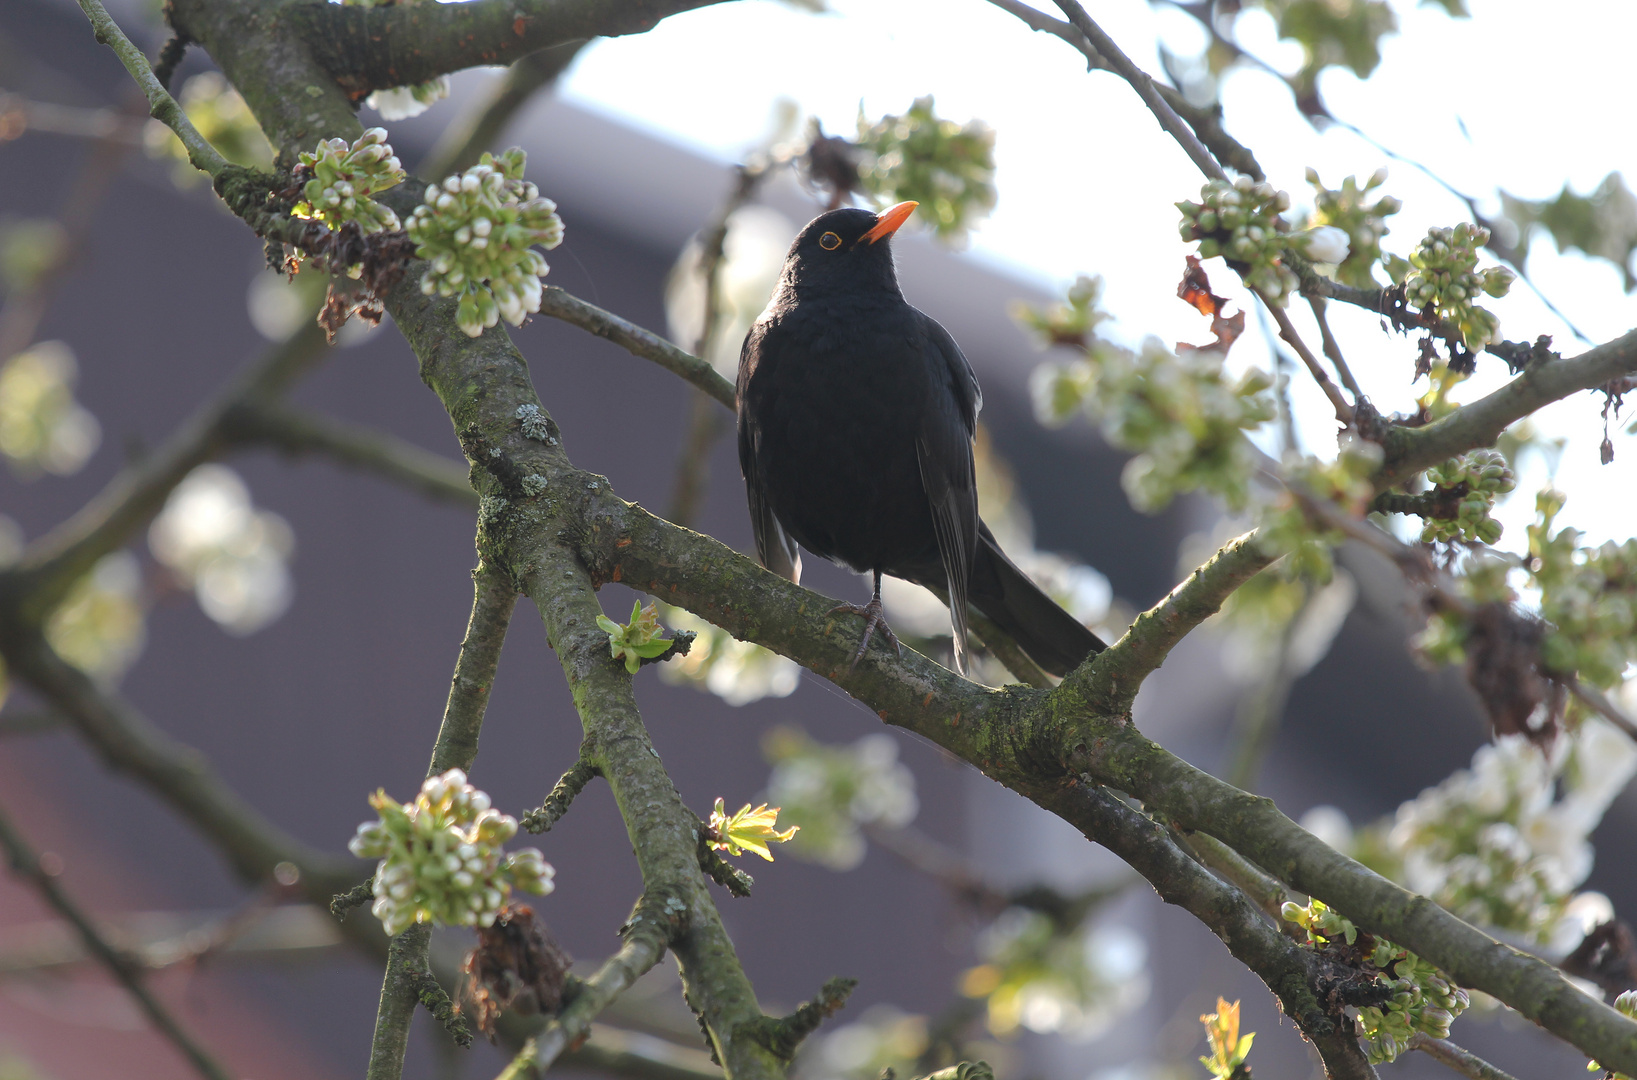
x,y
296,431
646,936
636,341
705,425
27,864
1144,85
1332,348
1599,701
1461,1060
408,967
161,106
1206,122
1287,330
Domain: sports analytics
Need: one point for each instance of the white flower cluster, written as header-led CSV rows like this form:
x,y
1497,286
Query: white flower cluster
x,y
831,791
1492,843
99,626
1444,278
404,102
1038,977
42,427
441,857
1240,221
477,229
233,556
345,176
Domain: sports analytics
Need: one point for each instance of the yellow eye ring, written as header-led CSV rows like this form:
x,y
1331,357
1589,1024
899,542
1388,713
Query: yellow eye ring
x,y
829,241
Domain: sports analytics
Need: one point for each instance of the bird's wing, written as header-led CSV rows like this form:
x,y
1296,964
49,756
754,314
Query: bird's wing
x,y
774,547
962,380
943,448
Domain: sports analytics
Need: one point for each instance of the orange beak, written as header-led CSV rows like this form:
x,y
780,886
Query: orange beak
x,y
888,220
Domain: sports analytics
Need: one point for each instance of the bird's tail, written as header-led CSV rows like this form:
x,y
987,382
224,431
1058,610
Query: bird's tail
x,y
1052,637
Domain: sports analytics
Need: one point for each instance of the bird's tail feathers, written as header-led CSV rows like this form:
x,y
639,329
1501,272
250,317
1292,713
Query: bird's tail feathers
x,y
1052,637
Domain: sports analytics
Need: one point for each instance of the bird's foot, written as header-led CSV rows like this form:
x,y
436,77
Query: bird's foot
x,y
875,617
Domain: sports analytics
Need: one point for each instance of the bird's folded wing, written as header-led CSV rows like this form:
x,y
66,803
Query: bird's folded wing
x,y
943,448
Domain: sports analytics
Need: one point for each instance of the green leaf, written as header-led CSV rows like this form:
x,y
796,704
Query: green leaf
x,y
1602,224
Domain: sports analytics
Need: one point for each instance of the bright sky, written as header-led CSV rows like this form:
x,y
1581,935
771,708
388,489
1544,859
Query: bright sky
x,y
1506,99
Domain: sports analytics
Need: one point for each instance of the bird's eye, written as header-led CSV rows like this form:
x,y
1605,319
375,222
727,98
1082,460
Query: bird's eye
x,y
829,241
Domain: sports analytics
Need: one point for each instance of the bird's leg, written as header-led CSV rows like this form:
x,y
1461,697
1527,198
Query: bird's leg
x,y
875,618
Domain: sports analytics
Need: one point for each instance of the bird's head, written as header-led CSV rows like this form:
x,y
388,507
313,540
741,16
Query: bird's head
x,y
846,248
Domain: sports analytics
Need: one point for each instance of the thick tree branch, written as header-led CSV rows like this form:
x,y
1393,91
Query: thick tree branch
x,y
1024,737
484,383
1289,970
366,49
1409,450
638,342
26,864
1255,828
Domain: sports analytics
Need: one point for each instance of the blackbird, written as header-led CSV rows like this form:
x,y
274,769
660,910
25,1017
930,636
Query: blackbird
x,y
856,418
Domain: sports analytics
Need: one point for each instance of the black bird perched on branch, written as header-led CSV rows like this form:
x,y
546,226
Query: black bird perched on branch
x,y
856,418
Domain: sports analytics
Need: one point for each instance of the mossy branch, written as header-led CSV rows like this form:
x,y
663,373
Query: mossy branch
x,y
1027,738
656,921
1108,682
366,49
357,896
1287,968
562,794
1410,450
783,1035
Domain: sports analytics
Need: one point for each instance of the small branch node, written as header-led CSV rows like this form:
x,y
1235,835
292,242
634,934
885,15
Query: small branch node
x,y
357,896
783,1035
562,795
437,1002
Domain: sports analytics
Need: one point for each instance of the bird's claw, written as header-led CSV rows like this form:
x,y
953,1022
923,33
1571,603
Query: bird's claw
x,y
875,617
